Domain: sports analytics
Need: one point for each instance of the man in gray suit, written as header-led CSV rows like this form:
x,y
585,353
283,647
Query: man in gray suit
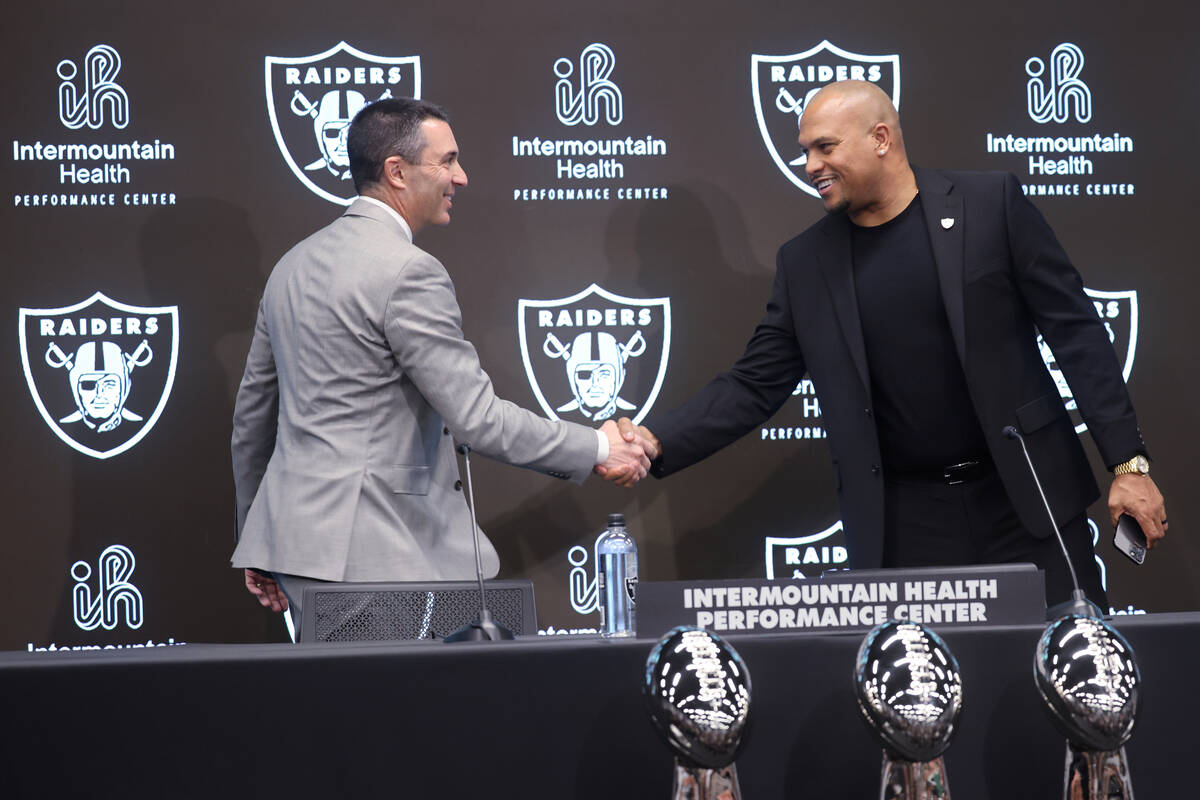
x,y
359,379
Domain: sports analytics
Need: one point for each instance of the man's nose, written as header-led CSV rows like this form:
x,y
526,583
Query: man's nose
x,y
460,175
812,166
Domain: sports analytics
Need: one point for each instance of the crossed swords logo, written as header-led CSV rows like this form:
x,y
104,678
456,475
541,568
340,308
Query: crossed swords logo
x,y
788,104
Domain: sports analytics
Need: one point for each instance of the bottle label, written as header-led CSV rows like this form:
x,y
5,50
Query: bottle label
x,y
631,578
600,596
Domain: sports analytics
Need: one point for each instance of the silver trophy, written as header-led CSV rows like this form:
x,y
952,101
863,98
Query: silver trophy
x,y
910,692
697,691
1089,680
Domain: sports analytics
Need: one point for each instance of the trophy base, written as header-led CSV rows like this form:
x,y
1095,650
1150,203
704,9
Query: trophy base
x,y
698,783
914,780
1097,775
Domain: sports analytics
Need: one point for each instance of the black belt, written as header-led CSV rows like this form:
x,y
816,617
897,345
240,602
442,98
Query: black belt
x,y
952,475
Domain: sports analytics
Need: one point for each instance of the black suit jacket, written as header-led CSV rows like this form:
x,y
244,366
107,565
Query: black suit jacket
x,y
1003,277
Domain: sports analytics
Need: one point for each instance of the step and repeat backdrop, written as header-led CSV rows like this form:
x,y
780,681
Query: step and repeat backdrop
x,y
632,171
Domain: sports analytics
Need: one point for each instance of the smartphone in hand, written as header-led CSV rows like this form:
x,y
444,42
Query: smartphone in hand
x,y
1129,539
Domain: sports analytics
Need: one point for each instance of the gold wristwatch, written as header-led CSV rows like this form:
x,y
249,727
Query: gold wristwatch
x,y
1138,465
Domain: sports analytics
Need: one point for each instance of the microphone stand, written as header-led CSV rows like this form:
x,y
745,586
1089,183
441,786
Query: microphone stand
x,y
484,628
1096,764
1078,604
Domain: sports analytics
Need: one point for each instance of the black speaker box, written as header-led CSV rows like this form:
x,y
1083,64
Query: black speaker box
x,y
371,612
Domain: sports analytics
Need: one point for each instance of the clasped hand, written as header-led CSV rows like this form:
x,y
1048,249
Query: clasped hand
x,y
1139,497
631,448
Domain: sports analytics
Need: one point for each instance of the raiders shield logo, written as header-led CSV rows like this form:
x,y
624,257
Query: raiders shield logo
x,y
595,355
100,371
806,556
1119,313
783,85
312,99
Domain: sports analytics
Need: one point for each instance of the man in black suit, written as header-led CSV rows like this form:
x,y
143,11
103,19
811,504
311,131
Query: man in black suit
x,y
915,305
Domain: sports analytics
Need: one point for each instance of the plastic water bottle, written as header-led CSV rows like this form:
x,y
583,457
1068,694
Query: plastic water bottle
x,y
617,577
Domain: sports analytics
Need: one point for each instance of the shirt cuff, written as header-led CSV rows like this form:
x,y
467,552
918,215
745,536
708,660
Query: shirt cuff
x,y
601,447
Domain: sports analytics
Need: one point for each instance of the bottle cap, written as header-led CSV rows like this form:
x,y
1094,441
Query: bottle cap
x,y
616,519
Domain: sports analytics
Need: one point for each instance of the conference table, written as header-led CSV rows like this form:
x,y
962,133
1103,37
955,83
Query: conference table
x,y
544,717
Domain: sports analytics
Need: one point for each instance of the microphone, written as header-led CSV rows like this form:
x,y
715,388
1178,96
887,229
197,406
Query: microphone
x,y
484,628
1078,604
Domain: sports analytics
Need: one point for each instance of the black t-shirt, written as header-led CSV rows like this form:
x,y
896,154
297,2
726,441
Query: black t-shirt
x,y
922,406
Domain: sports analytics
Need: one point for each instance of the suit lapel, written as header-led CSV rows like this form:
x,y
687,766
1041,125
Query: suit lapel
x,y
944,220
838,268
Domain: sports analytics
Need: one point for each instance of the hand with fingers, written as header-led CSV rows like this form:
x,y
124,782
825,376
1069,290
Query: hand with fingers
x,y
266,589
631,449
1139,497
628,457
630,431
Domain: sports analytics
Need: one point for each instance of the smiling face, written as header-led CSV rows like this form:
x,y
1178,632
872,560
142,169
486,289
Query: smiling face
x,y
429,184
845,152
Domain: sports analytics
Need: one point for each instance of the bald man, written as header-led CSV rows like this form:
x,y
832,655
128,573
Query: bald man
x,y
915,306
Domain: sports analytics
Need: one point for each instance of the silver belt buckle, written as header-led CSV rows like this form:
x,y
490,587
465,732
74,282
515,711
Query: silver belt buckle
x,y
949,472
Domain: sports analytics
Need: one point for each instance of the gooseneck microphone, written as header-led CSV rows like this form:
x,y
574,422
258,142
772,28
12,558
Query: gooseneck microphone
x,y
1078,604
483,629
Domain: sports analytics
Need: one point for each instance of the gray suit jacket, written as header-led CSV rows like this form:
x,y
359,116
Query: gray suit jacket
x,y
357,380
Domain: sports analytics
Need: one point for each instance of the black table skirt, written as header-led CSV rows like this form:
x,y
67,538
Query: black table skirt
x,y
542,718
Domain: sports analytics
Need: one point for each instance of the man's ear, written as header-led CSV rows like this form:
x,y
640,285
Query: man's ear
x,y
881,136
395,172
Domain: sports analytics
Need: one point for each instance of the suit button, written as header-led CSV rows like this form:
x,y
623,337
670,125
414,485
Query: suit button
x,y
445,431
458,486
875,469
867,411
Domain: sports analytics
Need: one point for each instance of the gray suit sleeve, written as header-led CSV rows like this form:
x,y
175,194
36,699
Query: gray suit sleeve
x,y
423,326
255,419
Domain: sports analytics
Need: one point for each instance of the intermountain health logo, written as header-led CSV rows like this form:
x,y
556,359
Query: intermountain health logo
x,y
591,95
311,101
100,371
1062,150
782,86
94,97
595,355
593,152
1055,95
800,417
584,583
112,597
91,166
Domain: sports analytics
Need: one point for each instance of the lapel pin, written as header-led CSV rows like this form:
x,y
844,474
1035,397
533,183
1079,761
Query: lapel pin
x,y
947,222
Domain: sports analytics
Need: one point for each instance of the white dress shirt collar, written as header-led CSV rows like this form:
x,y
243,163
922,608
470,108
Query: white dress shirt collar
x,y
395,214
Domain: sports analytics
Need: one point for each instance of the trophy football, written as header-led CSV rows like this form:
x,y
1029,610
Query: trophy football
x,y
910,692
697,691
1089,679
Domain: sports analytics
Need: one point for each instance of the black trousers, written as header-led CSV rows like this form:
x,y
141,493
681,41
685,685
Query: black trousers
x,y
930,524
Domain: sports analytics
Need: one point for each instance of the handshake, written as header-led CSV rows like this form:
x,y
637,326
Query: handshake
x,y
631,448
